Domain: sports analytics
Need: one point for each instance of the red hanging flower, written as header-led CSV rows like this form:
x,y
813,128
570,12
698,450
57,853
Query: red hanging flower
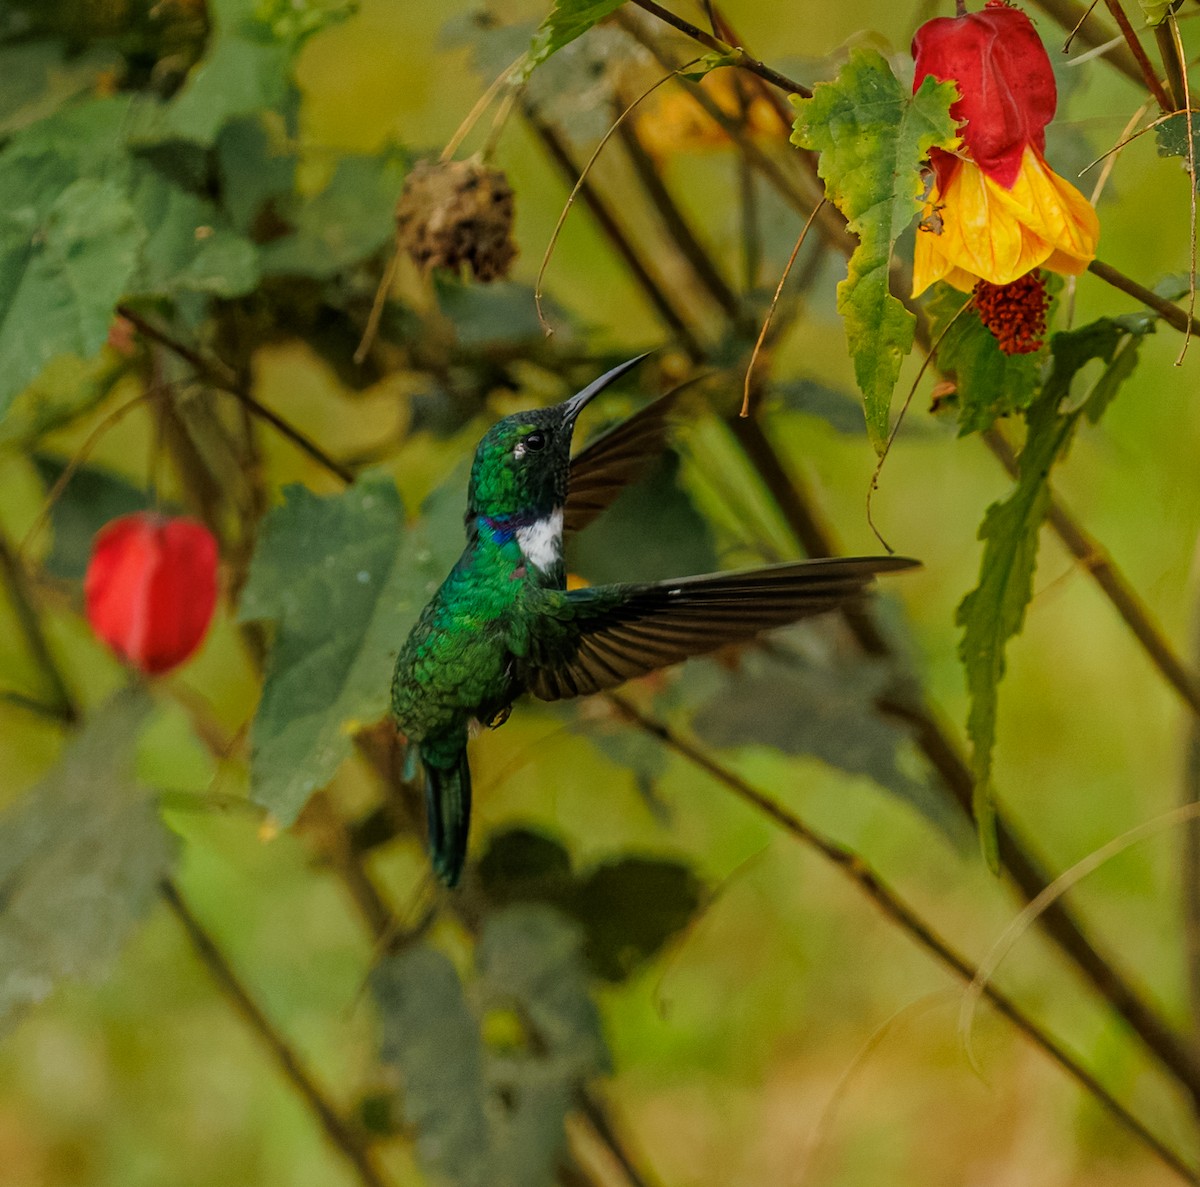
x,y
151,587
996,211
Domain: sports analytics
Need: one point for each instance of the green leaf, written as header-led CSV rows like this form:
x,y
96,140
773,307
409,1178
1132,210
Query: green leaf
x,y
989,382
81,857
530,962
431,1036
826,710
245,70
343,579
349,220
1172,136
189,245
492,1114
709,63
568,20
873,138
994,611
61,273
630,908
90,499
1155,11
39,77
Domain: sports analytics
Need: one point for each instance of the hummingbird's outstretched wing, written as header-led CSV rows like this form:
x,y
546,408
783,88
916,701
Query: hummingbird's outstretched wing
x,y
600,637
605,466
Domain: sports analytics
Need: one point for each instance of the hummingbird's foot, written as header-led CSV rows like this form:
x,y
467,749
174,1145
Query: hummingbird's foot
x,y
500,718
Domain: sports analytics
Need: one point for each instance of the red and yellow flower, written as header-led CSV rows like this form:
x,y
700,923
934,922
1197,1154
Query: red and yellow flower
x,y
995,210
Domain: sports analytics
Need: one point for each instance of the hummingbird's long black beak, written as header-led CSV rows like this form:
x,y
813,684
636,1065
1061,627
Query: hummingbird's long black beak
x,y
574,406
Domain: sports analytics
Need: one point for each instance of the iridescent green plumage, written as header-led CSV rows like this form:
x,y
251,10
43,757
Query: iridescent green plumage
x,y
503,622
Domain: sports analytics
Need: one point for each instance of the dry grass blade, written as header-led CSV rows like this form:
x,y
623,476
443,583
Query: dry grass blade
x,y
762,334
1053,892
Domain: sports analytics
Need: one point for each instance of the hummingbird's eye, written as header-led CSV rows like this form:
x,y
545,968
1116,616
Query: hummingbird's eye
x,y
535,441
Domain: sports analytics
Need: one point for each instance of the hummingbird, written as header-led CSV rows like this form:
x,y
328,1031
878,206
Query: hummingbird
x,y
503,623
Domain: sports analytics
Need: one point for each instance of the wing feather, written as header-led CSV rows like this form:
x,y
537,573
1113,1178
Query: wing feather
x,y
608,634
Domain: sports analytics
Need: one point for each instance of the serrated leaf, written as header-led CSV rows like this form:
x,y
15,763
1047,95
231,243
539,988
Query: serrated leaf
x,y
39,77
529,959
346,222
1172,136
492,1114
568,19
430,1034
343,578
994,611
873,138
61,274
190,246
630,908
1155,11
81,857
824,710
989,382
244,70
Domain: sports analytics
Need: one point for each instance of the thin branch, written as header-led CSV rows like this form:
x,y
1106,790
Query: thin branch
x,y
218,375
1190,855
30,623
741,58
596,1111
1149,75
337,1129
1175,317
903,916
1072,16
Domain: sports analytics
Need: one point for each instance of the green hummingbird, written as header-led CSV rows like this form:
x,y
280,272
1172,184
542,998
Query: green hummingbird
x,y
504,623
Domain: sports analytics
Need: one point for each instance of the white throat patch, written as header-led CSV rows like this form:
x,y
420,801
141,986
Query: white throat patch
x,y
541,541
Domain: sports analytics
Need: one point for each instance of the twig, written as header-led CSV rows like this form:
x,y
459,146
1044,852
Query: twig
x,y
596,1112
336,1128
216,373
741,59
1071,15
745,409
900,913
1149,75
1190,855
21,596
1175,317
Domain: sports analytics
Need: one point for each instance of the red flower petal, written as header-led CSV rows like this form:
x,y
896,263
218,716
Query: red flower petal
x,y
151,587
1004,79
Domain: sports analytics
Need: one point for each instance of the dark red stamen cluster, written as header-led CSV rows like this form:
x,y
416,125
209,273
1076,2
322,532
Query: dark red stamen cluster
x,y
1014,313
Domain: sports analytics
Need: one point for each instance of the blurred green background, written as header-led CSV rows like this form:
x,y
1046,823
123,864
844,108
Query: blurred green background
x,y
739,1054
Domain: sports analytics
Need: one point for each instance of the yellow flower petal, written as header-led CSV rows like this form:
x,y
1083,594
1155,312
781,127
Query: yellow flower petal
x,y
996,234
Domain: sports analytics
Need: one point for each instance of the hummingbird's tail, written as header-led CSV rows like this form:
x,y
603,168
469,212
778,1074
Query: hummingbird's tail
x,y
448,810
